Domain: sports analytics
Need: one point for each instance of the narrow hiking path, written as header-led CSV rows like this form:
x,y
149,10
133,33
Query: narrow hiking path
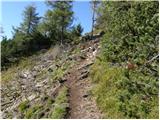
x,y
82,104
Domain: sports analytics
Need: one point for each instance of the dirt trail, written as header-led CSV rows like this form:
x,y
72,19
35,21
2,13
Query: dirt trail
x,y
82,104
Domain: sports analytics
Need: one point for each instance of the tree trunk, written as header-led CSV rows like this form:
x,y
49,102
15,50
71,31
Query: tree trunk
x,y
62,36
93,19
62,32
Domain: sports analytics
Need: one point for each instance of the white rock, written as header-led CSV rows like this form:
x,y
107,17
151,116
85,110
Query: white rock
x,y
31,97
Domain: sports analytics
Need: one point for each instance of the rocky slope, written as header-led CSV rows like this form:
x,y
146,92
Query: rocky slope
x,y
53,84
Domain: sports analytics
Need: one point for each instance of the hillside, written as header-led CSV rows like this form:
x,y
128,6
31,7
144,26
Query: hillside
x,y
53,84
51,70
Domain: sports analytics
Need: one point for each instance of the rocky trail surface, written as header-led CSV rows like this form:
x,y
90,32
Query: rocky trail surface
x,y
82,105
31,91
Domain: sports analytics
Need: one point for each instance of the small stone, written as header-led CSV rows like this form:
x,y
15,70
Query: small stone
x,y
39,85
31,97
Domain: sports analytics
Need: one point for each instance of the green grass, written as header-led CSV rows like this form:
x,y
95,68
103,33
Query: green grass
x,y
121,97
36,110
10,73
23,106
57,74
30,113
61,103
105,90
61,71
77,50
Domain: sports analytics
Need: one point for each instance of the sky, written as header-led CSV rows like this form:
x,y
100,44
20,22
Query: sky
x,y
11,13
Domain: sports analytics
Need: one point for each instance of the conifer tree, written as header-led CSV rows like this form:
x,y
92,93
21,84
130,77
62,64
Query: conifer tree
x,y
30,20
62,16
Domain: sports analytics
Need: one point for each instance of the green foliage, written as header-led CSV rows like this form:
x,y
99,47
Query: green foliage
x,y
131,35
76,33
61,103
26,39
22,45
126,30
121,97
30,19
58,20
33,35
77,30
6,51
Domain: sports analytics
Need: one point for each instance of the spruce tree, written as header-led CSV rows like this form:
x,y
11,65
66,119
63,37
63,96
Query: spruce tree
x,y
30,20
61,16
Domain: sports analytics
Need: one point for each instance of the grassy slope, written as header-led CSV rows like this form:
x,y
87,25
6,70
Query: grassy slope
x,y
120,97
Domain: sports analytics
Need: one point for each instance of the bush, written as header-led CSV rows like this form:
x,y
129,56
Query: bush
x,y
121,97
22,45
131,38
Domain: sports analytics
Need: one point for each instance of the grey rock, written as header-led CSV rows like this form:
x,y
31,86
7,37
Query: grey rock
x,y
83,76
84,72
31,97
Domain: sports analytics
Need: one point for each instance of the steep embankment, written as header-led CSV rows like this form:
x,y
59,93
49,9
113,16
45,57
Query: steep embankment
x,y
53,84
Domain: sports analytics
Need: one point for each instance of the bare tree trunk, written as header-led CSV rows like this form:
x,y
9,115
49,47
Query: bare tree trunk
x,y
62,32
93,19
62,36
